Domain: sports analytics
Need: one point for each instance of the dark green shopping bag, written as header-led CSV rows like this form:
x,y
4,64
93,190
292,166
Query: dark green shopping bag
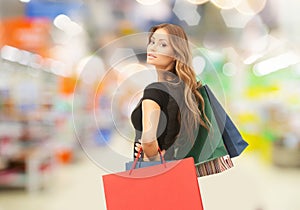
x,y
208,145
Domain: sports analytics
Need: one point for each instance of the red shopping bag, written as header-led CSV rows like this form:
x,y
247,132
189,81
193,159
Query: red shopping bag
x,y
169,186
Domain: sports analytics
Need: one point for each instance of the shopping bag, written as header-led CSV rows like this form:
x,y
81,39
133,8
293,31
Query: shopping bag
x,y
234,142
208,145
168,186
214,166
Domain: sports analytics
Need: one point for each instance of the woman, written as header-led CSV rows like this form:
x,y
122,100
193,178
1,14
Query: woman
x,y
168,110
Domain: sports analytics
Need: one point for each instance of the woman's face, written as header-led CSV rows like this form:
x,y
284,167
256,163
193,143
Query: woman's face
x,y
159,51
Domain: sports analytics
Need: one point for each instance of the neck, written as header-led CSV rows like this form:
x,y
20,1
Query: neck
x,y
166,75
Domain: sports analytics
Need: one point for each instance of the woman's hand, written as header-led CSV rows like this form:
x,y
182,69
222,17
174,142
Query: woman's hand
x,y
138,146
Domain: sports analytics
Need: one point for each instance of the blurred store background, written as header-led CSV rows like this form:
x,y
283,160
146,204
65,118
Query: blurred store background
x,y
69,67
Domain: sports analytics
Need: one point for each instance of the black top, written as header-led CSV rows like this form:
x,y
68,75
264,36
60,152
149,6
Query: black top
x,y
168,96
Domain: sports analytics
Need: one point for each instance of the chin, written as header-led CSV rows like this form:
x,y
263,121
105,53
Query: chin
x,y
151,62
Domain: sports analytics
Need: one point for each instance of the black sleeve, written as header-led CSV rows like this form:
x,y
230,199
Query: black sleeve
x,y
158,93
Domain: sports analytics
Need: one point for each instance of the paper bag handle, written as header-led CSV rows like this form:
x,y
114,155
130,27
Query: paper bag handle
x,y
138,157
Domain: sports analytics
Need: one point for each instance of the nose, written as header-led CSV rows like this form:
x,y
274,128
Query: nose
x,y
152,47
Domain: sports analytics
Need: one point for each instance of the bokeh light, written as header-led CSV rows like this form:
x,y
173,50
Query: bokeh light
x,y
250,7
229,69
148,2
199,64
198,1
187,12
234,19
225,4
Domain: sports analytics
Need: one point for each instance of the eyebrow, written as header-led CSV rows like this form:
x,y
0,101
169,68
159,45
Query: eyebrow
x,y
152,37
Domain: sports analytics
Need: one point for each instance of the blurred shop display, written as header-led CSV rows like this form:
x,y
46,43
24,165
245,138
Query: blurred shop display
x,y
272,104
284,123
50,9
36,87
35,126
27,124
286,151
31,34
36,130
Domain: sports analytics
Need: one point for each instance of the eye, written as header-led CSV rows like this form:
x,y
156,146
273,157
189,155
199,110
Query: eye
x,y
152,42
163,44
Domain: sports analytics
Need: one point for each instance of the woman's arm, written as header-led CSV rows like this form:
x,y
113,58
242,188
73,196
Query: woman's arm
x,y
151,113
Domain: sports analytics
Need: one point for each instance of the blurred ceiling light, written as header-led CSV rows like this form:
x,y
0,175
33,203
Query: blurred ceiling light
x,y
61,21
148,2
10,53
229,69
250,7
199,64
65,24
197,1
251,59
234,19
225,4
265,45
25,57
36,61
25,1
187,12
275,63
21,56
58,68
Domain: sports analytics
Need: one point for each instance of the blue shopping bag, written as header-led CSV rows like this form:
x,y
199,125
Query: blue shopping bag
x,y
233,140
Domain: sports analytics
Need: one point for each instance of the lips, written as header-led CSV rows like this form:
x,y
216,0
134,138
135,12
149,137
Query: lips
x,y
151,55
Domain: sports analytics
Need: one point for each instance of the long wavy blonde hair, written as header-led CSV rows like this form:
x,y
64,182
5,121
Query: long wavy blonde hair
x,y
185,72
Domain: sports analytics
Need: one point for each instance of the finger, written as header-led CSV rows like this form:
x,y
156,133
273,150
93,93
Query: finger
x,y
138,146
